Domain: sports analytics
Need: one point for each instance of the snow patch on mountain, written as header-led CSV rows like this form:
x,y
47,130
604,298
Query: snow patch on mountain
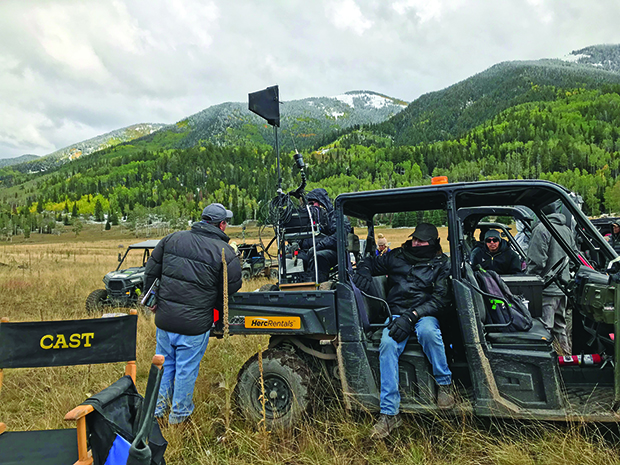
x,y
574,58
369,99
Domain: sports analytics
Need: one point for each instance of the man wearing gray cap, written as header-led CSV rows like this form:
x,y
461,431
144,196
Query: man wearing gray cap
x,y
189,267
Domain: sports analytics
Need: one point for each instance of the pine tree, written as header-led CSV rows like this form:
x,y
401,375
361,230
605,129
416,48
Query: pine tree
x,y
113,218
98,211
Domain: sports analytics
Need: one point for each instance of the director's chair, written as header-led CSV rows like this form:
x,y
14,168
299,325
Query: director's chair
x,y
62,343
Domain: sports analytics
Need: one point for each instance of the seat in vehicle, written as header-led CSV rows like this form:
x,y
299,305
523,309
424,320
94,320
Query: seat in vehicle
x,y
536,336
530,287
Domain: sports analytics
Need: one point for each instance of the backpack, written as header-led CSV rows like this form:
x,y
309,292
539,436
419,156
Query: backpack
x,y
515,314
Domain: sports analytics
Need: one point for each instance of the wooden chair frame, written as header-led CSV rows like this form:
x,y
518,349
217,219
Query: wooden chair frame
x,y
79,413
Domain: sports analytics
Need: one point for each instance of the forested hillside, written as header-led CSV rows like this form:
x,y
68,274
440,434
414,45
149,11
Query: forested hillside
x,y
569,134
450,112
17,160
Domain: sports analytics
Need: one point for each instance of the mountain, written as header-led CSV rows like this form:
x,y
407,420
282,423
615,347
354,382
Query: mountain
x,y
447,113
605,57
303,123
549,119
17,160
80,149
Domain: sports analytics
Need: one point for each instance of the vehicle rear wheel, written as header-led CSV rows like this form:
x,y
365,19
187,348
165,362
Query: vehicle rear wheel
x,y
273,273
289,384
245,275
96,300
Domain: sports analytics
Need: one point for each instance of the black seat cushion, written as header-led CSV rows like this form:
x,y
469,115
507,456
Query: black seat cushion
x,y
49,447
537,335
377,313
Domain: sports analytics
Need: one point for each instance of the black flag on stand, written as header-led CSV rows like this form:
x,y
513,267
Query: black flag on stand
x,y
265,103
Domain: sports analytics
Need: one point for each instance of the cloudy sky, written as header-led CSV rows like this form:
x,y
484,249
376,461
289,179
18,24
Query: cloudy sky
x,y
74,69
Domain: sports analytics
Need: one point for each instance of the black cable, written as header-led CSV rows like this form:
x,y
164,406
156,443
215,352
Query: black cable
x,y
281,209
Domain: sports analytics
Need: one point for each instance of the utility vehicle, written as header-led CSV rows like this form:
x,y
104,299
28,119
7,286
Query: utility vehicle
x,y
123,287
253,262
503,374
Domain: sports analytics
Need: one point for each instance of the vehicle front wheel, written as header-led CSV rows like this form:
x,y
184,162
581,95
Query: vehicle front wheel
x,y
245,275
288,389
96,300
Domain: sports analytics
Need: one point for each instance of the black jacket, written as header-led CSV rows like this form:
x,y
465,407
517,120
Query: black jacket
x,y
422,285
189,267
615,242
329,242
504,261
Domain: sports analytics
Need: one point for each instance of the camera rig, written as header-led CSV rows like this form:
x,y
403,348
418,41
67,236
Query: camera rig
x,y
294,226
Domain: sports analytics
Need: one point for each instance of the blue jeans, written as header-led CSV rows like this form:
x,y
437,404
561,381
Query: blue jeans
x,y
429,337
183,355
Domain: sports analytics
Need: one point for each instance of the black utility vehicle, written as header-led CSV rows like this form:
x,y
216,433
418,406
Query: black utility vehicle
x,y
604,225
253,262
123,287
504,374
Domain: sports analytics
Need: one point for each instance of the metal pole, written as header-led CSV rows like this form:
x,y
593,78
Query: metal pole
x,y
616,347
275,130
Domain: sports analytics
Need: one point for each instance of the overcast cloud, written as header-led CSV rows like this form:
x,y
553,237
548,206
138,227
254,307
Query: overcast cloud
x,y
71,70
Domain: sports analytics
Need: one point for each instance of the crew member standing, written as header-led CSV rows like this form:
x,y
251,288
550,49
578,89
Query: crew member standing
x,y
544,252
189,267
382,245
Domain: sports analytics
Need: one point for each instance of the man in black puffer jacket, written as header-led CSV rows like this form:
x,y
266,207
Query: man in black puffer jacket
x,y
190,269
326,246
496,255
419,292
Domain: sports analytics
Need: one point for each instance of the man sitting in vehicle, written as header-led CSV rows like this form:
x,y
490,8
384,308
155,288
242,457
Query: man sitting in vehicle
x,y
418,274
326,246
614,237
496,255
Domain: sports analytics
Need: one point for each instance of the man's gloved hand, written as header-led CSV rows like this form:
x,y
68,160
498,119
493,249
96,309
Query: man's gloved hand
x,y
301,255
614,268
362,282
401,328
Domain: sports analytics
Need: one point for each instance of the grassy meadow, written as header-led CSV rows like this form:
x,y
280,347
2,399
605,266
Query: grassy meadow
x,y
49,277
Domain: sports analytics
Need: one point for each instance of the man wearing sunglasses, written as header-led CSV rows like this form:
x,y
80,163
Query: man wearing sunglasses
x,y
496,255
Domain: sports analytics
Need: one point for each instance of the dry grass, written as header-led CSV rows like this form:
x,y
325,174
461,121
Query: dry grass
x,y
46,281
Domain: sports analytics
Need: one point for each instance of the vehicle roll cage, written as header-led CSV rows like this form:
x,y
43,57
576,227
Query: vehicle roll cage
x,y
533,194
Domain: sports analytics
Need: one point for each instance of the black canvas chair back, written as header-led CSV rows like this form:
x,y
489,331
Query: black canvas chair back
x,y
66,343
122,429
61,343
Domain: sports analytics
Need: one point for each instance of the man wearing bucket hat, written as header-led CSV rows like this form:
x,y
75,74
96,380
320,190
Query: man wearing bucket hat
x,y
418,274
189,267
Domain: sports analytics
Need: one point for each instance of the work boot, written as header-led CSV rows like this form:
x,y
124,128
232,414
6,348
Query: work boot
x,y
385,425
445,397
565,345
